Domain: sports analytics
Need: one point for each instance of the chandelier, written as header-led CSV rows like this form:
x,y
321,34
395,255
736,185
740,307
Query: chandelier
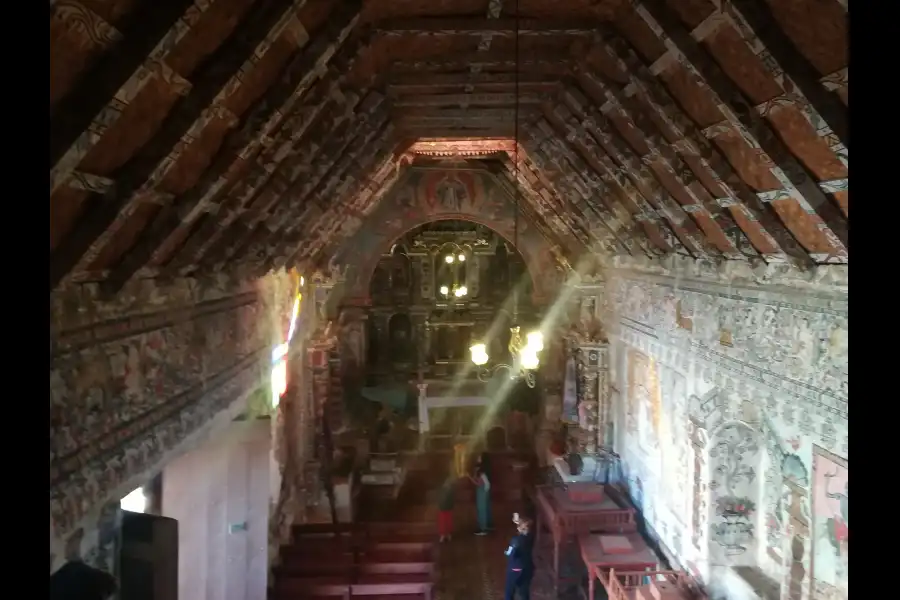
x,y
456,290
525,351
525,357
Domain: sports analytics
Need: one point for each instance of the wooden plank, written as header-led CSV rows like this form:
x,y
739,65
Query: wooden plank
x,y
209,82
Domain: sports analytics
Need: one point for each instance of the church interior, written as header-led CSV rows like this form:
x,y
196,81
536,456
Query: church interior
x,y
317,264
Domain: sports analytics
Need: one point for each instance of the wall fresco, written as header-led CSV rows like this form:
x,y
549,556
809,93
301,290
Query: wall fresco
x,y
830,528
132,378
763,366
424,195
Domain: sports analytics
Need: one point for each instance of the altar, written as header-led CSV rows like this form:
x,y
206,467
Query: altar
x,y
427,404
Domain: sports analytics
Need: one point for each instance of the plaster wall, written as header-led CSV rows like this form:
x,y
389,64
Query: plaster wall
x,y
730,408
219,493
138,379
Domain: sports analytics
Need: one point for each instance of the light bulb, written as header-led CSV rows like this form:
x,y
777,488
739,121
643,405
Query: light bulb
x,y
529,360
448,259
461,258
535,341
463,291
302,281
479,354
445,290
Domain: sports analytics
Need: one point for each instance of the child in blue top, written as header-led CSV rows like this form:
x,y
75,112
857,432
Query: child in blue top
x,y
520,560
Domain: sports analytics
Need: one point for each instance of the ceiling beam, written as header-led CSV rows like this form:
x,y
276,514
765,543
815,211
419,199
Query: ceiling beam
x,y
295,157
499,27
521,169
555,63
219,75
294,202
462,148
143,42
315,216
471,99
356,205
754,21
540,210
623,167
657,160
266,115
773,238
499,82
798,186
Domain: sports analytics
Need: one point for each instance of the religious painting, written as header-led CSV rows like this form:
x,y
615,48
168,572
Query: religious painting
x,y
674,443
830,525
644,400
449,192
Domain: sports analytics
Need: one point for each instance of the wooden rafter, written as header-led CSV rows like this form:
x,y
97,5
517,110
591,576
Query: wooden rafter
x,y
141,49
760,223
494,27
260,123
214,82
643,130
741,117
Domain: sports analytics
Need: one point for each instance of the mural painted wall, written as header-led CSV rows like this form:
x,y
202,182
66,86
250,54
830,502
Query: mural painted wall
x,y
732,421
134,379
424,195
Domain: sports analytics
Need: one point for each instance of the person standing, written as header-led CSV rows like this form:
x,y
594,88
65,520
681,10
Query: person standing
x,y
446,501
520,560
482,482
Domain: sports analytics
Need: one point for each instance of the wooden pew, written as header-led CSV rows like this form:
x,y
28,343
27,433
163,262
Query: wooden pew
x,y
377,591
397,568
312,588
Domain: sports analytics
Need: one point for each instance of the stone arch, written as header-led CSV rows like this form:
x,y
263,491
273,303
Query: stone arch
x,y
427,195
534,258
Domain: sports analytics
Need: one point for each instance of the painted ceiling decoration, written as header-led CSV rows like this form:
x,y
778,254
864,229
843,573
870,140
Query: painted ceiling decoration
x,y
240,136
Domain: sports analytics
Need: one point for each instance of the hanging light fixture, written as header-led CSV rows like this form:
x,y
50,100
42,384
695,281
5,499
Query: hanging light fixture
x,y
525,357
525,351
457,291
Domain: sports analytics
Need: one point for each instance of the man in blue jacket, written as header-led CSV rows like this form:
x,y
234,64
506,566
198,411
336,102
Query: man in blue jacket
x,y
520,560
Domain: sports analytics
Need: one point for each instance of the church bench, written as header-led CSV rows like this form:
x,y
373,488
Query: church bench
x,y
397,536
398,546
392,590
317,554
320,587
313,568
397,556
392,578
312,529
377,528
396,568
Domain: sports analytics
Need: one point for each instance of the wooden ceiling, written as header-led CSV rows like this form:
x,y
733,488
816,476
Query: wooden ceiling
x,y
235,135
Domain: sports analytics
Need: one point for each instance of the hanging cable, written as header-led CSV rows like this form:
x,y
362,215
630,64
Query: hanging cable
x,y
516,190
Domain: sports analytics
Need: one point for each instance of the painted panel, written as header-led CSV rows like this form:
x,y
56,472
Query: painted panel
x,y
830,526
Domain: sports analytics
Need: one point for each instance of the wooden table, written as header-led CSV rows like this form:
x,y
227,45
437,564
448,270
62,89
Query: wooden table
x,y
622,552
564,518
629,585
